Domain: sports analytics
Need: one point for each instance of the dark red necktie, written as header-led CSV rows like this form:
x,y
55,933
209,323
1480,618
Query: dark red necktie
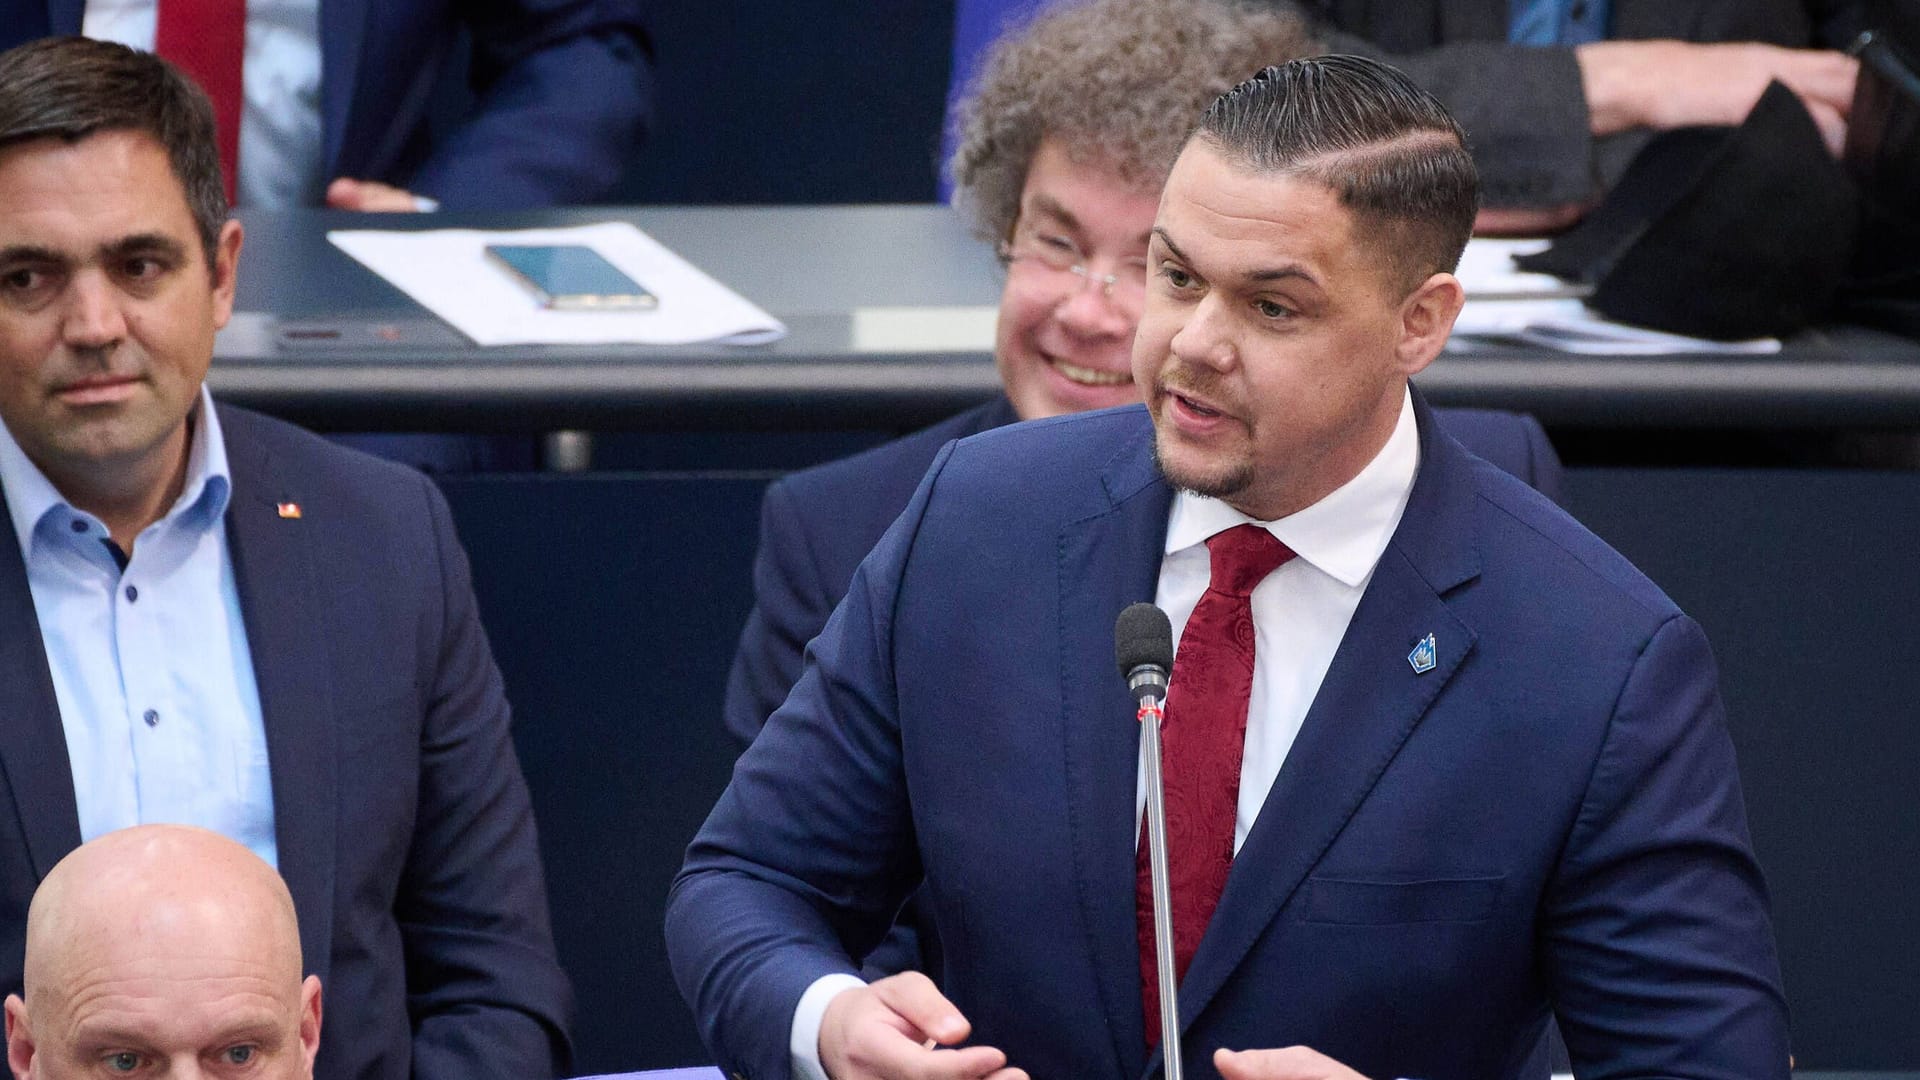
x,y
207,39
1201,744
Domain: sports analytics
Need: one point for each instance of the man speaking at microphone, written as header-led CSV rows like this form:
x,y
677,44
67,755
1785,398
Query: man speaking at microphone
x,y
1439,763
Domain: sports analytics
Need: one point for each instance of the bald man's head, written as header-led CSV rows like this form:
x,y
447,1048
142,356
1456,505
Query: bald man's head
x,y
163,945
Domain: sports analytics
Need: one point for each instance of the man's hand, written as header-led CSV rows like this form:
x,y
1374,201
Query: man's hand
x,y
1293,1063
1669,84
888,1031
370,195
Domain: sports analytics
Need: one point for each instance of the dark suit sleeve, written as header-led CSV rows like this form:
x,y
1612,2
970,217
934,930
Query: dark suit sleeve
x,y
565,88
484,990
1658,945
790,604
809,853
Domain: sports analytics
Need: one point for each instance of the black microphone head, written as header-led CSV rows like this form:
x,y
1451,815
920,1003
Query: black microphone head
x,y
1142,636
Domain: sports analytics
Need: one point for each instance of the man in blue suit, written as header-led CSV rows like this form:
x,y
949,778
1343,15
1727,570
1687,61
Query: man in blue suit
x,y
208,617
1483,775
562,91
1067,138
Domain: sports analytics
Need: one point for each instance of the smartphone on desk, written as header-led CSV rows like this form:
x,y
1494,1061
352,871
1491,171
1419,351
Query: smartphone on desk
x,y
571,277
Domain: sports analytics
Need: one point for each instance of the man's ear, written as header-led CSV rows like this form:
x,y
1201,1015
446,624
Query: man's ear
x,y
225,270
19,1039
309,1023
1426,321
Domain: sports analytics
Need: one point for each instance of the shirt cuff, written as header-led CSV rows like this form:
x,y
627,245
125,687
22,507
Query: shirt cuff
x,y
804,1043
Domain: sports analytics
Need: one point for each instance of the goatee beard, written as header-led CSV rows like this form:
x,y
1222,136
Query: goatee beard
x,y
1236,479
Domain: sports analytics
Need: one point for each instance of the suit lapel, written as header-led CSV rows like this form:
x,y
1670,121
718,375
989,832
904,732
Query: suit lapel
x,y
1369,703
1107,561
280,598
33,744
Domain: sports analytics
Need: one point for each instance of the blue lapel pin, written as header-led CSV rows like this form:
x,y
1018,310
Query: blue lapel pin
x,y
1424,656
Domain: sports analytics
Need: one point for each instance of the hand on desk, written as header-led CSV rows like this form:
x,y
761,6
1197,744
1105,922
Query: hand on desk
x,y
370,195
1669,84
1293,1063
883,1032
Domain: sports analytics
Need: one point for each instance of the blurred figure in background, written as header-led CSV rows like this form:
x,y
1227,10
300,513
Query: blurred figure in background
x,y
1556,96
330,100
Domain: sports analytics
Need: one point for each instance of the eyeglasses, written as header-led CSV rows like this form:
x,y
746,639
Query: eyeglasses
x,y
1056,262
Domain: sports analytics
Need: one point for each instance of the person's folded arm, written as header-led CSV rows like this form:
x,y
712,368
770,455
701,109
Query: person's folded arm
x,y
1549,126
1661,85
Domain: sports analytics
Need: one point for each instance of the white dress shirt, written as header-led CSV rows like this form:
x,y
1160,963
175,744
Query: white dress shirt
x,y
150,663
1300,615
280,137
1301,610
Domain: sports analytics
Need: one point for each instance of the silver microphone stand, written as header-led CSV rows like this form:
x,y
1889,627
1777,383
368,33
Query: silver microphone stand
x,y
1162,899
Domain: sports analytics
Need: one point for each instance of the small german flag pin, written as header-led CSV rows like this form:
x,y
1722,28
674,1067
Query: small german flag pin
x,y
289,510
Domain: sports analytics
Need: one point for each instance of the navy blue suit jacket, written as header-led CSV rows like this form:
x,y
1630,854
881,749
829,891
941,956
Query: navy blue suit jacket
x,y
563,89
817,524
1549,819
403,825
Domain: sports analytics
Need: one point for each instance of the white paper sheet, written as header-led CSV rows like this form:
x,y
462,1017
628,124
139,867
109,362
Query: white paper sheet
x,y
447,272
1488,272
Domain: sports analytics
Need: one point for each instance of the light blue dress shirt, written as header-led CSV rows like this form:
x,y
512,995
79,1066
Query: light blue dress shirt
x,y
150,663
1558,22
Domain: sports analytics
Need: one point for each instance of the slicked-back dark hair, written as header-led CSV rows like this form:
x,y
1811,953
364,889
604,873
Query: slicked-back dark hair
x,y
68,88
1388,149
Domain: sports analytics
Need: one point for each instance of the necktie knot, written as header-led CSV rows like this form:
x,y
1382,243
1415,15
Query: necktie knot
x,y
1242,557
